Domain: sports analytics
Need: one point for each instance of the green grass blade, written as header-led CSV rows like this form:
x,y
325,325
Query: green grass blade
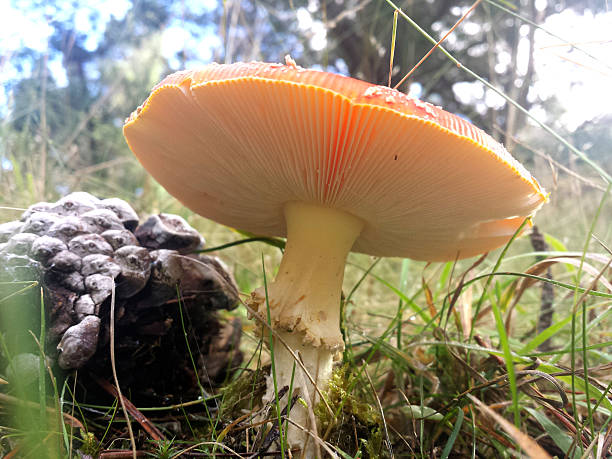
x,y
273,366
545,335
453,436
561,439
505,345
403,281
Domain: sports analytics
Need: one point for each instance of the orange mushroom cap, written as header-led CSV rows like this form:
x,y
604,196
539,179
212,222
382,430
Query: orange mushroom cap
x,y
236,142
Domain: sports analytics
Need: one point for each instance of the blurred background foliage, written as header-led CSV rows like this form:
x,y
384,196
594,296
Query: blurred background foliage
x,y
64,101
65,135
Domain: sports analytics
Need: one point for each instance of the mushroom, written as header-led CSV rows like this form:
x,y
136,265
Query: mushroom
x,y
335,165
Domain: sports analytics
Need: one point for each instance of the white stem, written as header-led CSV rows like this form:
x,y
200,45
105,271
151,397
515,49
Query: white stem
x,y
304,303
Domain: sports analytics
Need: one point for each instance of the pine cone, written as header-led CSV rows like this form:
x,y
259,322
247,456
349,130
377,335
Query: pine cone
x,y
81,247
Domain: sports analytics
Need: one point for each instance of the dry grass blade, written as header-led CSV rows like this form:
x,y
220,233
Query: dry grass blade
x,y
527,444
451,30
607,440
557,164
209,443
592,286
381,412
537,269
316,438
114,369
232,425
459,289
428,298
541,375
393,35
593,271
540,267
464,306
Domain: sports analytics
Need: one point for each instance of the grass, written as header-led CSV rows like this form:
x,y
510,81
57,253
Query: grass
x,y
409,352
431,385
441,360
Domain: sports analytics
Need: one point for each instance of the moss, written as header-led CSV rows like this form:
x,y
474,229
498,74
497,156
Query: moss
x,y
90,446
358,425
242,394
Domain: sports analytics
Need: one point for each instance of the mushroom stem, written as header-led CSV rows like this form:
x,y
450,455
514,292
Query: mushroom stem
x,y
304,301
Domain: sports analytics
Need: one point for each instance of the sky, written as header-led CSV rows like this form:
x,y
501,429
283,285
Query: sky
x,y
583,81
562,69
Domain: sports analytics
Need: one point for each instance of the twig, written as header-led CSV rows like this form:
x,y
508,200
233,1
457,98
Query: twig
x,y
147,425
120,454
99,103
274,433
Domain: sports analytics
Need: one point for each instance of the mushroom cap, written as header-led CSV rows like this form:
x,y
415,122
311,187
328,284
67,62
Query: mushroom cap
x,y
236,142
